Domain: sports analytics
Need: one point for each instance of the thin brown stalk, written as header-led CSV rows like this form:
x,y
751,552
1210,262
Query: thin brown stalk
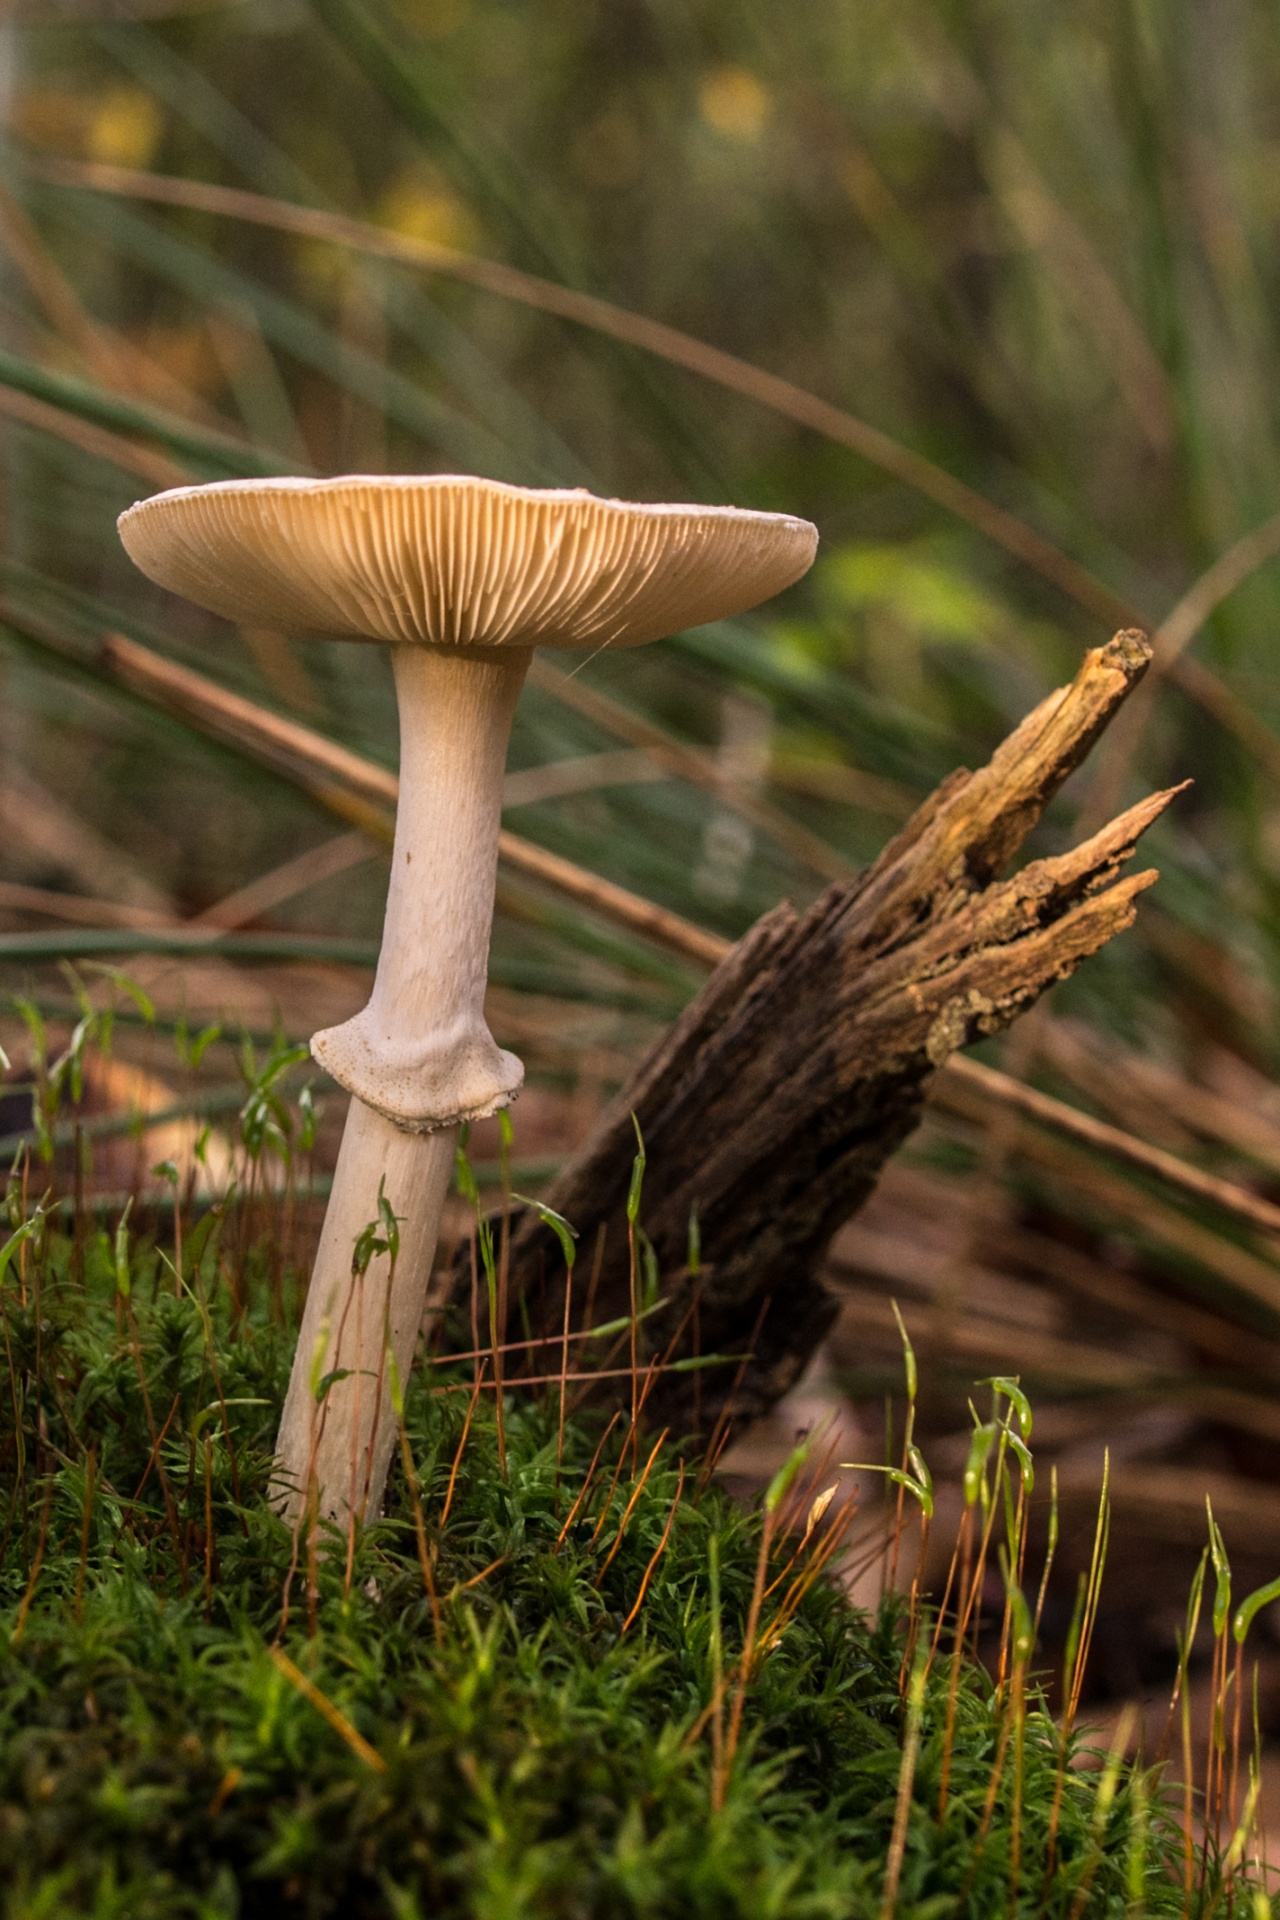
x,y
607,1508
633,1276
994,1782
563,1534
821,1557
953,1678
1074,1681
814,1508
419,1528
913,1602
1216,1768
906,1782
564,1375
1018,1714
498,1333
797,1550
630,1507
940,1620
658,1551
211,1355
586,1379
716,1708
597,1257
462,1441
464,1585
86,1517
1093,1592
478,1353
325,1707
308,1522
354,1457
313,1556
286,1591
1014,1560
748,1644
208,1528
1188,1802
1233,1791
20,1624
157,1441
1047,1569
713,1459
720,1432
379,1383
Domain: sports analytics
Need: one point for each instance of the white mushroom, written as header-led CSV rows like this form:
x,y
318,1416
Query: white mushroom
x,y
465,577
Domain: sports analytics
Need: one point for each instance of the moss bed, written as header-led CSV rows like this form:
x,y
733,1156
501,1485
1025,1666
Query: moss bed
x,y
168,1747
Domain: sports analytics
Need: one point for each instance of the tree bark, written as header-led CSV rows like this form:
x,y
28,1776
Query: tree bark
x,y
769,1108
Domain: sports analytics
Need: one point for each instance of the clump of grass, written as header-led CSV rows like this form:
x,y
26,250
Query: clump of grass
x,y
563,1675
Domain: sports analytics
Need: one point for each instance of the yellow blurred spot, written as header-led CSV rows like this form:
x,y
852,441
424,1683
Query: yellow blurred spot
x,y
734,103
126,128
121,127
427,209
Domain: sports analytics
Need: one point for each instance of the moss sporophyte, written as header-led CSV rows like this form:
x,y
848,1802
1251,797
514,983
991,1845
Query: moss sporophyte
x,y
581,1682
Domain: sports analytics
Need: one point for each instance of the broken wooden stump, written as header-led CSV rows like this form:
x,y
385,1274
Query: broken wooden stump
x,y
770,1107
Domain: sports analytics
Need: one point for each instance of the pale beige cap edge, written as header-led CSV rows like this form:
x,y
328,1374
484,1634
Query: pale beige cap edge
x,y
450,559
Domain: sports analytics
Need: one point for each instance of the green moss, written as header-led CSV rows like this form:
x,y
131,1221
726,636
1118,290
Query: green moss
x,y
530,1756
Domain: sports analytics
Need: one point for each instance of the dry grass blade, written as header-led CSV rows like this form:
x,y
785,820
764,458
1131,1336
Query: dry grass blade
x,y
652,336
100,442
111,358
80,908
740,376
1110,1141
231,717
582,774
297,750
688,763
1230,711
1085,284
1169,660
288,744
287,881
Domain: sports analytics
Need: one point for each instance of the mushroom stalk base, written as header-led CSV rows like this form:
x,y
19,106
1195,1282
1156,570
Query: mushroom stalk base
x,y
336,1450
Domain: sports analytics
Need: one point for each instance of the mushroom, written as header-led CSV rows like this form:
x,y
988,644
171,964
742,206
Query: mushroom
x,y
464,577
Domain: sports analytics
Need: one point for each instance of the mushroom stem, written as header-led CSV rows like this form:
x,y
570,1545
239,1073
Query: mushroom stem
x,y
419,1059
338,1447
420,1052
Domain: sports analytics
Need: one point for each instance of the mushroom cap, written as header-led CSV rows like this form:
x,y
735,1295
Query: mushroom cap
x,y
448,560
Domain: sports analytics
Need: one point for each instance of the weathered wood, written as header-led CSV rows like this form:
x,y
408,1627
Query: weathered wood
x,y
771,1105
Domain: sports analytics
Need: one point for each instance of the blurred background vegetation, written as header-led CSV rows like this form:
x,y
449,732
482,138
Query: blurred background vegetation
x,y
1031,247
